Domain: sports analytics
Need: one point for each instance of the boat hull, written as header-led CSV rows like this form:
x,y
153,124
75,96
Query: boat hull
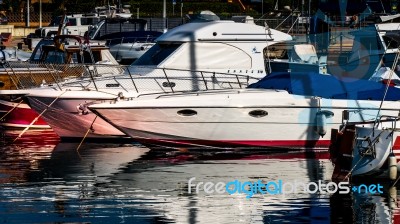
x,y
21,116
289,121
365,164
71,123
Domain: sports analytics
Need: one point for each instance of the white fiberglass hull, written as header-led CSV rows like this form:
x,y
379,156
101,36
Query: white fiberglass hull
x,y
68,120
234,119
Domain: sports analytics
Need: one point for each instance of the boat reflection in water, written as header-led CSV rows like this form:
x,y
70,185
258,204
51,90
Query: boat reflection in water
x,y
44,181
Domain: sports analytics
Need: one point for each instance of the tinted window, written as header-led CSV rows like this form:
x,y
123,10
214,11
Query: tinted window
x,y
89,21
55,21
370,42
116,27
156,54
71,22
87,58
55,57
390,43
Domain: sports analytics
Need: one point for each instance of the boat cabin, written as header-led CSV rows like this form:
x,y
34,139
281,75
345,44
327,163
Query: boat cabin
x,y
71,49
217,46
53,62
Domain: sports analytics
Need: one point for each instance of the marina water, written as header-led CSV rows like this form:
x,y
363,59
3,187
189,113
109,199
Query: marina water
x,y
45,181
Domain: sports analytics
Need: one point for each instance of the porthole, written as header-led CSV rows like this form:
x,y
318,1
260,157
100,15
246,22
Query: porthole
x,y
187,112
258,113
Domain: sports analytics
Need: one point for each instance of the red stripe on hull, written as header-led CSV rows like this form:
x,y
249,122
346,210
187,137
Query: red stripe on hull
x,y
288,144
21,117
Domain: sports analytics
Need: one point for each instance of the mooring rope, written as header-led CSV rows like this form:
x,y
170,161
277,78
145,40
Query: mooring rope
x,y
86,134
375,140
36,118
11,110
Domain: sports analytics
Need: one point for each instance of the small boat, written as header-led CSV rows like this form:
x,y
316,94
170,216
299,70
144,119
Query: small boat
x,y
360,149
14,113
48,67
127,38
297,58
372,47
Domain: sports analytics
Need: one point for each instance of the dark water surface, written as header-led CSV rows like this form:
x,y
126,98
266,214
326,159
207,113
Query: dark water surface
x,y
44,181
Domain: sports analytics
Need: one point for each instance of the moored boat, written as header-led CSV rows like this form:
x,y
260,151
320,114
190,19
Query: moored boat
x,y
250,118
194,56
365,149
52,63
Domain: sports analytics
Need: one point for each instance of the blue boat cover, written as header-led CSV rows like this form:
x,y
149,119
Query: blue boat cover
x,y
326,86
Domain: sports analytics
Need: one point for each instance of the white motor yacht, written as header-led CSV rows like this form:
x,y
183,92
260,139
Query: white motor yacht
x,y
194,56
264,117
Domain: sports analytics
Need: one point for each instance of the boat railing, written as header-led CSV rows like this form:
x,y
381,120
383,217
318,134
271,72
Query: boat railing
x,y
130,40
387,122
161,80
139,80
24,75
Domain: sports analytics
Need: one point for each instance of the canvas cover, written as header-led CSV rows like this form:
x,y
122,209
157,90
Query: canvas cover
x,y
314,84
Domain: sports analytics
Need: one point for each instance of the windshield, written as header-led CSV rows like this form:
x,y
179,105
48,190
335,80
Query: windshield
x,y
56,57
390,43
92,31
55,21
89,21
38,49
156,54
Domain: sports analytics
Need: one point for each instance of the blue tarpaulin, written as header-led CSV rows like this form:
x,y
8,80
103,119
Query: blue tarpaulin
x,y
326,86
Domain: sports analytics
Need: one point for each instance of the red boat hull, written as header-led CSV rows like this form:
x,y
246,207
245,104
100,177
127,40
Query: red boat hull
x,y
21,116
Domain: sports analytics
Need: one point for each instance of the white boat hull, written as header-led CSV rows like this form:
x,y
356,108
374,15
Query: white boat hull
x,y
63,115
365,164
69,122
223,120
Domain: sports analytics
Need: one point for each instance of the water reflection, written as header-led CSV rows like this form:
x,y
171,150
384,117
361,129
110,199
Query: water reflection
x,y
43,180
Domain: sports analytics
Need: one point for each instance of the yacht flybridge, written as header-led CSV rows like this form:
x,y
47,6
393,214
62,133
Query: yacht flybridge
x,y
220,46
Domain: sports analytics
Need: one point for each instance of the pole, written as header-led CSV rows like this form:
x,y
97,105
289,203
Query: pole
x,y
165,15
27,14
40,13
181,8
262,8
137,13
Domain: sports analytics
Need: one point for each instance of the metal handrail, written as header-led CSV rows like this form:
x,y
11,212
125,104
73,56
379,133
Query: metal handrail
x,y
84,77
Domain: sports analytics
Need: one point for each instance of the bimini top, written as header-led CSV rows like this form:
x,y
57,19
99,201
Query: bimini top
x,y
222,30
326,86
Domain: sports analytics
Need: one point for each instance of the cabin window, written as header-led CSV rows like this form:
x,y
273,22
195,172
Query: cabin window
x,y
56,57
116,26
87,59
276,52
370,43
71,22
156,54
390,43
89,21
